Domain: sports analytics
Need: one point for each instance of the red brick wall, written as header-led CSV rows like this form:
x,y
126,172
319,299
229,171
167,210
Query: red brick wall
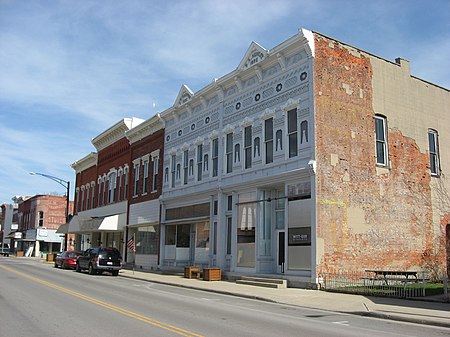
x,y
54,208
86,177
396,206
139,149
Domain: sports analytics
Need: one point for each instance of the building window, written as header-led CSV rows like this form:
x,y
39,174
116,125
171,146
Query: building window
x,y
191,167
92,194
292,133
381,140
136,179
87,197
279,140
100,189
111,187
256,147
303,132
268,139
237,153
119,191
145,180
41,218
248,147
205,163
199,162
125,189
173,171
215,157
82,198
155,174
229,152
434,152
185,166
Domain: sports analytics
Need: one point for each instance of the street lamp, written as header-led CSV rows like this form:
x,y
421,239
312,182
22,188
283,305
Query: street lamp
x,y
64,183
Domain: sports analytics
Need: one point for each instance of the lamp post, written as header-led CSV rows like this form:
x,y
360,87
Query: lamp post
x,y
66,184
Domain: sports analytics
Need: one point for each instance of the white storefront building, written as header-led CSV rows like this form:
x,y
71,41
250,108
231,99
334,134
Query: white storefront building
x,y
238,175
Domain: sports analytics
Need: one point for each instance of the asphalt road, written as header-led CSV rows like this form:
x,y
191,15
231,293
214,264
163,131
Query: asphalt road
x,y
39,300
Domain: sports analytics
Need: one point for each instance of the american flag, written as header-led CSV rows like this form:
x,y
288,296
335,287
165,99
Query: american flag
x,y
130,244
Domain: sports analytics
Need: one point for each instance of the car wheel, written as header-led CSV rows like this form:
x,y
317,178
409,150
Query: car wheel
x,y
115,272
56,265
77,268
92,270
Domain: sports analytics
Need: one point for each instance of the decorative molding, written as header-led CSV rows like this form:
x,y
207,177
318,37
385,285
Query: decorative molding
x,y
184,95
281,61
154,154
246,122
290,104
185,147
268,113
238,82
172,151
228,129
214,134
258,72
199,141
255,54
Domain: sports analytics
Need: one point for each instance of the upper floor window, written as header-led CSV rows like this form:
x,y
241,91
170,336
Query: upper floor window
x,y
82,198
434,152
185,166
145,180
136,179
292,132
119,190
125,179
199,162
92,194
100,189
155,174
111,187
215,156
268,140
381,140
87,196
41,218
173,170
229,152
248,147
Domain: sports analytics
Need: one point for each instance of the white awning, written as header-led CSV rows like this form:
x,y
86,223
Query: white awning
x,y
115,222
63,229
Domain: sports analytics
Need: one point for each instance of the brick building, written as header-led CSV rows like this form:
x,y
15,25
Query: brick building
x,y
146,142
309,158
39,217
101,189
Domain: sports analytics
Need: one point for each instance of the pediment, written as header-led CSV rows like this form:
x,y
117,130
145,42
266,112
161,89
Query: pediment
x,y
255,54
184,95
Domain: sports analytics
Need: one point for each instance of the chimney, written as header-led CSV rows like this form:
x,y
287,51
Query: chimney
x,y
404,64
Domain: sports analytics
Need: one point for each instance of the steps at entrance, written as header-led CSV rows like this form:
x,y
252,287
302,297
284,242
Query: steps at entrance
x,y
263,282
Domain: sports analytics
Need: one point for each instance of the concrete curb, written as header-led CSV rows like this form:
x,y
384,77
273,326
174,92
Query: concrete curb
x,y
373,314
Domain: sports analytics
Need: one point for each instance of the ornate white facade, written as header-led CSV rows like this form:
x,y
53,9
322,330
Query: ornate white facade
x,y
235,153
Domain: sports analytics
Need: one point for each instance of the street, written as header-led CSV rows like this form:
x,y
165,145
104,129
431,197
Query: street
x,y
39,300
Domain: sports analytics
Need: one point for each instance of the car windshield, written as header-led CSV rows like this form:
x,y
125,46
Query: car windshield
x,y
109,253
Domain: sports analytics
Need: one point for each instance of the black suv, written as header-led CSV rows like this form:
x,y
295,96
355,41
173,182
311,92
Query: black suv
x,y
99,259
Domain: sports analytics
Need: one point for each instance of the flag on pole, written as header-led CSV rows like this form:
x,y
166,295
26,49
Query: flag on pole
x,y
130,244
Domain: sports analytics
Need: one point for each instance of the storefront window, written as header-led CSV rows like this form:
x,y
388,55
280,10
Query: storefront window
x,y
147,240
246,230
265,230
202,241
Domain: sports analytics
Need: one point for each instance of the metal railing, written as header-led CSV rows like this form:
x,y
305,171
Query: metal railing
x,y
366,283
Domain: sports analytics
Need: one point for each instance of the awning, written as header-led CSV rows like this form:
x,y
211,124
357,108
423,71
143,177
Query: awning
x,y
63,229
115,222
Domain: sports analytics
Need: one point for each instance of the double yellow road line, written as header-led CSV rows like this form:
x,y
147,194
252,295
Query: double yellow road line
x,y
128,313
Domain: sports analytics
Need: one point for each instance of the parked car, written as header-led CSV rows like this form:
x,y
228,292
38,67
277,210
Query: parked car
x,y
4,250
66,260
99,259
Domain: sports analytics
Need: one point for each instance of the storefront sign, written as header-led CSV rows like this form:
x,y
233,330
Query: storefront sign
x,y
299,236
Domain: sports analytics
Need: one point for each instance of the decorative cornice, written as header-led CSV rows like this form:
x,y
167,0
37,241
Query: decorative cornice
x,y
86,162
246,122
228,129
145,129
268,113
115,132
290,104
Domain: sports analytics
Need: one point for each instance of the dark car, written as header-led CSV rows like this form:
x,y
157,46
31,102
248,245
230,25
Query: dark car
x,y
99,259
66,260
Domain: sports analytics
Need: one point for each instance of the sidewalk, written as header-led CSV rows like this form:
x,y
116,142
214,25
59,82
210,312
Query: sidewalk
x,y
416,311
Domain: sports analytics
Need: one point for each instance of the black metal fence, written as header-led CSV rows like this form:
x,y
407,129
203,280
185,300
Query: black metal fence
x,y
370,283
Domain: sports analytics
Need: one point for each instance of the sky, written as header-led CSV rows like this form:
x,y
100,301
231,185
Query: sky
x,y
71,69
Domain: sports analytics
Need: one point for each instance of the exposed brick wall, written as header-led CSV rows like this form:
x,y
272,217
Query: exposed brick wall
x,y
366,218
139,149
54,208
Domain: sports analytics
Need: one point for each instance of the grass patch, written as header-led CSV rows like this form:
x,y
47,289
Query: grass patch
x,y
395,290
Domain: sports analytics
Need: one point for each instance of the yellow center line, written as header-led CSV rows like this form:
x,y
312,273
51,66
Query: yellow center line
x,y
106,305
